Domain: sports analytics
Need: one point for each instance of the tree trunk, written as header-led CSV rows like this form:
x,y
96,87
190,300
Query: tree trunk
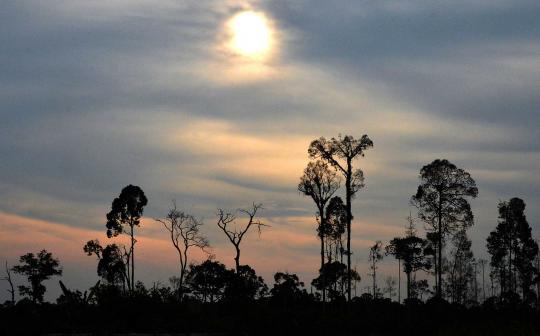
x,y
132,257
321,234
408,285
183,265
374,283
237,258
439,285
399,280
349,219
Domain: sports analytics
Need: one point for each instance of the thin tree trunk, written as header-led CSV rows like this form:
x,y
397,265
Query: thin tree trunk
x,y
132,258
321,234
408,285
439,285
183,265
349,219
399,280
8,279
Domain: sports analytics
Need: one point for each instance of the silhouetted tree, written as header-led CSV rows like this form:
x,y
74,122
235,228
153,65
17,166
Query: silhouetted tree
x,y
319,183
375,255
245,285
93,247
335,275
482,263
236,235
125,214
460,268
512,249
208,280
442,204
111,262
390,287
287,288
11,289
410,250
37,268
419,288
184,232
340,153
336,223
432,239
112,267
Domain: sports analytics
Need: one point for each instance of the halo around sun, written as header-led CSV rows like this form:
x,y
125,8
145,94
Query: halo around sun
x,y
250,35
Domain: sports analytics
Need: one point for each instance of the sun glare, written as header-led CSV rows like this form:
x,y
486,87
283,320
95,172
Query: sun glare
x,y
251,35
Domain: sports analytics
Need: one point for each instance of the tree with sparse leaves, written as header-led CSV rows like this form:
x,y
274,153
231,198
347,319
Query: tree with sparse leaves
x,y
319,182
340,153
184,232
460,268
226,222
375,255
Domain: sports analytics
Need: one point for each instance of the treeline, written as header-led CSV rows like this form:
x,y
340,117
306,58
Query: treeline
x,y
438,265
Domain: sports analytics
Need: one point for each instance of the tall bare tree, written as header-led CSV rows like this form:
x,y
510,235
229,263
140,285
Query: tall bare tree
x,y
319,182
184,232
226,222
7,278
441,200
340,152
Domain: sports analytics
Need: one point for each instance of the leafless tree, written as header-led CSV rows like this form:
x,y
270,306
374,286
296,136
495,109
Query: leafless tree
x,y
184,232
8,279
226,222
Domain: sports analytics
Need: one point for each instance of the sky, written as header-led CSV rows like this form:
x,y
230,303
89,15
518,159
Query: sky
x,y
96,95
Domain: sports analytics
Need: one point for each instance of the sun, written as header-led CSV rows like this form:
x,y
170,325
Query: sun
x,y
251,35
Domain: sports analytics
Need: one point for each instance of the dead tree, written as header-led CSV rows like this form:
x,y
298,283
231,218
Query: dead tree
x,y
184,231
235,235
8,279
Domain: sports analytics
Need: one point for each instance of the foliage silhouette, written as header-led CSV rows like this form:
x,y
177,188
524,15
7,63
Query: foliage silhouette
x,y
513,251
441,200
340,152
37,268
125,214
111,262
320,183
375,255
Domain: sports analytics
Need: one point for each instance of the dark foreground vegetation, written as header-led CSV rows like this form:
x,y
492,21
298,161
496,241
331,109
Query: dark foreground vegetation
x,y
448,290
145,314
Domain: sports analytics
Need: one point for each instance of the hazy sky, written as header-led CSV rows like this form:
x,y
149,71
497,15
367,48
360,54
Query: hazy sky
x,y
95,95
